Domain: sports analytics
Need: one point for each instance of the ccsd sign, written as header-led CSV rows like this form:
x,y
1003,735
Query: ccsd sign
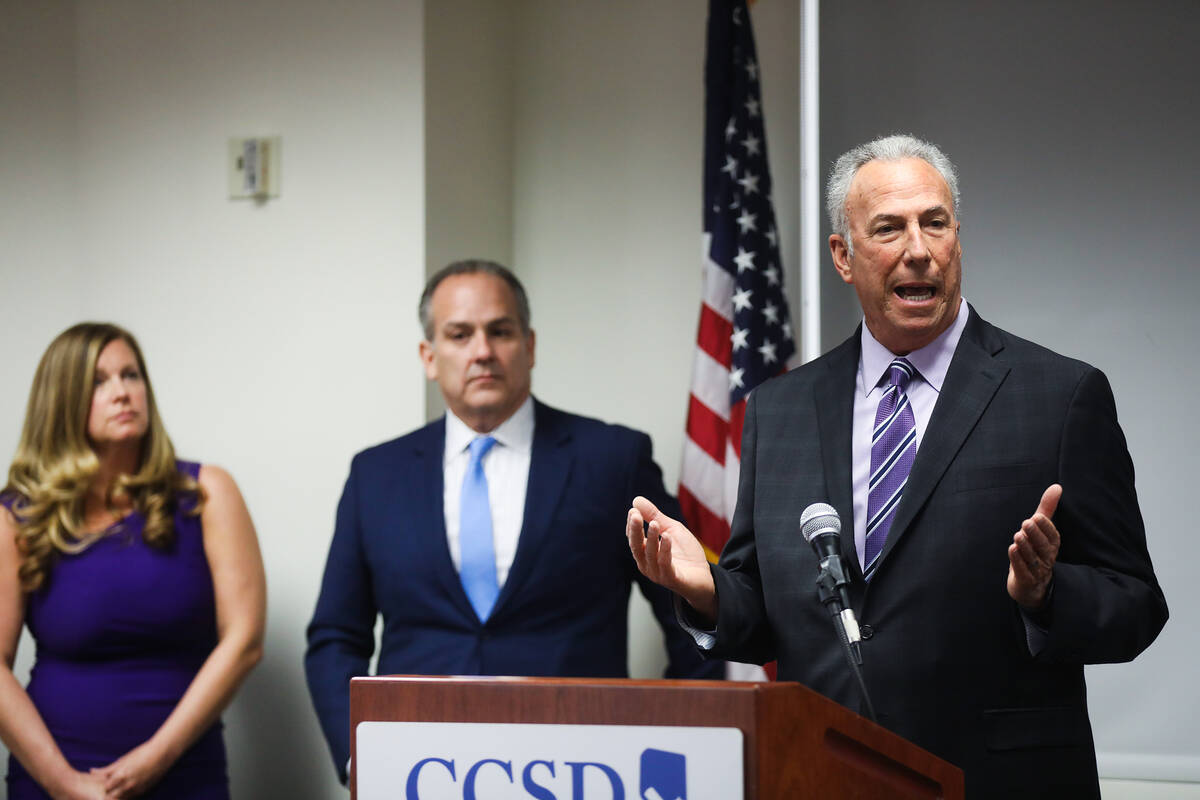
x,y
459,761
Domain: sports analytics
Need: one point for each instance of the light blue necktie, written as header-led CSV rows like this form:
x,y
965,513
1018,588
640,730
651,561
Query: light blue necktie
x,y
477,569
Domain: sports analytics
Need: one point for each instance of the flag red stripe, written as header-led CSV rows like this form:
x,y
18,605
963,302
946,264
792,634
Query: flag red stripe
x,y
706,429
714,336
707,526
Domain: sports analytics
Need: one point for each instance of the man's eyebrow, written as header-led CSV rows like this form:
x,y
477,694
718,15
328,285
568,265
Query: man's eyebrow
x,y
890,217
507,319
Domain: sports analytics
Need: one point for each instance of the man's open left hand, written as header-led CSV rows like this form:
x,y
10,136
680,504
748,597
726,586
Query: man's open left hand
x,y
1033,552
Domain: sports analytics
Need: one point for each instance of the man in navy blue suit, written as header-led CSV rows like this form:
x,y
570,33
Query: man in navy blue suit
x,y
489,539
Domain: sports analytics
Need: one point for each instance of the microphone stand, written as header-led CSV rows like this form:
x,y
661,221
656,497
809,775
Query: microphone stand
x,y
831,583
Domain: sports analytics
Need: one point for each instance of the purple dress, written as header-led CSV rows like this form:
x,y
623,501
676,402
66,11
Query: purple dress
x,y
121,630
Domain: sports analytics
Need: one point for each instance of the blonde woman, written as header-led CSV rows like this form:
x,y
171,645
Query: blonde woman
x,y
139,577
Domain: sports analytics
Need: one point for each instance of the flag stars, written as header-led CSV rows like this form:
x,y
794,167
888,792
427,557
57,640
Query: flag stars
x,y
744,260
770,313
742,225
746,223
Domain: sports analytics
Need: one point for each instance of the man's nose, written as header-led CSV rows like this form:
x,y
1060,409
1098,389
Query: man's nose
x,y
915,247
481,347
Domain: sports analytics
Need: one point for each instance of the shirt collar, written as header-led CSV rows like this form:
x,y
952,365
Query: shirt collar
x,y
931,361
516,432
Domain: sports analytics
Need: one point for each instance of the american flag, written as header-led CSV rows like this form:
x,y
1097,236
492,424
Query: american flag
x,y
745,334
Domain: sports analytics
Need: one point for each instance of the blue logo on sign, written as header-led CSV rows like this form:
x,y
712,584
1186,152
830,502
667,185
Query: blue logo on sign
x,y
664,775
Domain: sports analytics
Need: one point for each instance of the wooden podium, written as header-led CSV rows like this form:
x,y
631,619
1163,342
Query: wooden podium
x,y
797,743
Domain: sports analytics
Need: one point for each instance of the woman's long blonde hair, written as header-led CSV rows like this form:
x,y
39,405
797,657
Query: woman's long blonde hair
x,y
55,465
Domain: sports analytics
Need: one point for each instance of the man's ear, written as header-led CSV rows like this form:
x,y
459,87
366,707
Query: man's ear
x,y
841,257
425,352
532,345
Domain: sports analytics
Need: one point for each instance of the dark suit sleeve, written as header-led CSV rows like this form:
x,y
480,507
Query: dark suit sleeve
x,y
742,632
1106,605
683,659
341,634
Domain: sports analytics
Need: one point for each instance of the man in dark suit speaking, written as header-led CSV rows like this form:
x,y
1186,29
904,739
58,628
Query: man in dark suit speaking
x,y
488,540
997,543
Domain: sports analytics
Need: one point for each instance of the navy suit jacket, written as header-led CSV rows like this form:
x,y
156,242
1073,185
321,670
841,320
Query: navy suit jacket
x,y
563,609
945,655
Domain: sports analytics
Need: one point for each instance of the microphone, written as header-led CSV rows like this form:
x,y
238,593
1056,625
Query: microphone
x,y
822,528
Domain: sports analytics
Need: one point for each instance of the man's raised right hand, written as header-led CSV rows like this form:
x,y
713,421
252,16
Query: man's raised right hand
x,y
667,553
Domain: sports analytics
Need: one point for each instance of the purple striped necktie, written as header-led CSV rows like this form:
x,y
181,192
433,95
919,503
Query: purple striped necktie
x,y
893,447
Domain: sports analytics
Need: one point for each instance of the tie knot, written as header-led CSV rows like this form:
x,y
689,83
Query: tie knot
x,y
900,372
479,447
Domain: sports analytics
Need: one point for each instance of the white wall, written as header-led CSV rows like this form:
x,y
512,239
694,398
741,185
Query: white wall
x,y
1073,127
38,199
468,139
279,336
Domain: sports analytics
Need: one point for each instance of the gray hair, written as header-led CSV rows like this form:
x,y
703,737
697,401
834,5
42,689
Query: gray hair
x,y
471,266
886,148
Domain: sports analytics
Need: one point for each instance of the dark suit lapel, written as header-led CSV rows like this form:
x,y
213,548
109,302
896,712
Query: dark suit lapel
x,y
835,422
429,517
971,382
549,467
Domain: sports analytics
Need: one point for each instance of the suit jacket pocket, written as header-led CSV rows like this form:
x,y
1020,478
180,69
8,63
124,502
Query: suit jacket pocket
x,y
1020,728
995,476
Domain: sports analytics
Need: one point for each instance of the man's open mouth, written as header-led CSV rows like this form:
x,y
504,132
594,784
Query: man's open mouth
x,y
915,293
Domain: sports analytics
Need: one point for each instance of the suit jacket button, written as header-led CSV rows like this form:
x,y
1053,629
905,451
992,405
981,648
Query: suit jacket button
x,y
867,631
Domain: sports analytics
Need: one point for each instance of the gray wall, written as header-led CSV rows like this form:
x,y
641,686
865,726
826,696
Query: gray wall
x,y
1073,127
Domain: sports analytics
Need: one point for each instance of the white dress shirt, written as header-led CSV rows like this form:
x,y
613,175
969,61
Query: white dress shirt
x,y
506,467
